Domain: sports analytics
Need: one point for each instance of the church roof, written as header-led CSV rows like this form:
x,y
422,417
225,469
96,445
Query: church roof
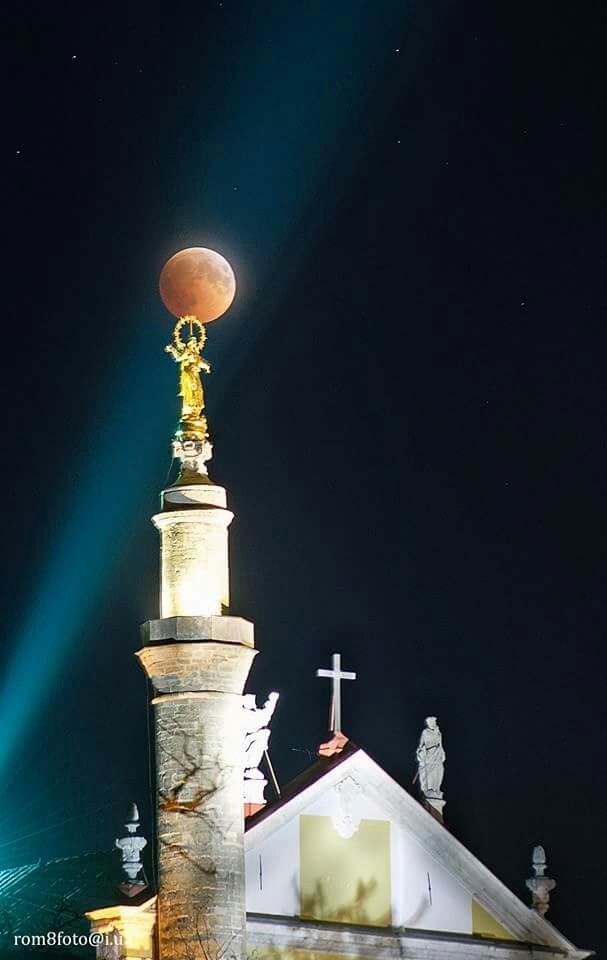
x,y
55,894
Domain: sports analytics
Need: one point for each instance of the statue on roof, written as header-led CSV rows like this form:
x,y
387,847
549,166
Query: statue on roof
x,y
257,734
255,721
431,763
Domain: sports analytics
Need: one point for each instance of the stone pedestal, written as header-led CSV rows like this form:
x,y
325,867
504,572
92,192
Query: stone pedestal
x,y
435,806
253,796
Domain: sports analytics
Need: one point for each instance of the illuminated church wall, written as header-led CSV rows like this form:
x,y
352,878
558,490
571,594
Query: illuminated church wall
x,y
272,873
380,876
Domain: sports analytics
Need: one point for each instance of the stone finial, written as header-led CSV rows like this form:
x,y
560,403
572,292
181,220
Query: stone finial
x,y
540,885
132,819
431,757
130,848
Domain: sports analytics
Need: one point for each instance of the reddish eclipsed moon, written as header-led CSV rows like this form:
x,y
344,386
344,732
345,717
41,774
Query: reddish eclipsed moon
x,y
197,282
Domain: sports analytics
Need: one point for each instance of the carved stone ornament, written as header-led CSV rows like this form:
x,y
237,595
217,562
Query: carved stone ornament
x,y
346,819
130,848
540,885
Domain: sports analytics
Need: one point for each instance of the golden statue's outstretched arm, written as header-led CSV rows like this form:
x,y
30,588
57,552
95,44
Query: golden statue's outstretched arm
x,y
175,352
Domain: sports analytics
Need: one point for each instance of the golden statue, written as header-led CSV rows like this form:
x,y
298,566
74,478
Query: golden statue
x,y
187,355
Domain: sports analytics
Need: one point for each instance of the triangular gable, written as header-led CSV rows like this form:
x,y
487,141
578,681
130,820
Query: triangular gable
x,y
273,839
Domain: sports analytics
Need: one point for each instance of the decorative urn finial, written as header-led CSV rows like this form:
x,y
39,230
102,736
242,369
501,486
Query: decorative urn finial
x,y
540,885
130,847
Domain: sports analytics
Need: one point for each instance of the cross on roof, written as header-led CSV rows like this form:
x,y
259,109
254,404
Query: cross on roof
x,y
336,674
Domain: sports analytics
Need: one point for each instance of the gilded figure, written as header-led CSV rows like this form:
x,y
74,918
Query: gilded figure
x,y
191,363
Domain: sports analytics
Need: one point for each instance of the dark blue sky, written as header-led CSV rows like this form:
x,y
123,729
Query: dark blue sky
x,y
407,398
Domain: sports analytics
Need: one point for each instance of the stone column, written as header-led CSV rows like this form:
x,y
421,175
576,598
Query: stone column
x,y
198,661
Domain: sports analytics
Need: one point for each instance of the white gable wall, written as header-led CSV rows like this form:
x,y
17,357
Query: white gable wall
x,y
274,889
424,895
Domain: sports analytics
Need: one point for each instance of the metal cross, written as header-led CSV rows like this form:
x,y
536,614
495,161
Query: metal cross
x,y
336,674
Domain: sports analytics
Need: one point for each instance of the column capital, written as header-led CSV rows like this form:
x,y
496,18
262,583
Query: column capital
x,y
191,629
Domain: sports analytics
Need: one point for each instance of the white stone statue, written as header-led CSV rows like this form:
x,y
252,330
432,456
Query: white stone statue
x,y
540,885
431,761
131,847
255,722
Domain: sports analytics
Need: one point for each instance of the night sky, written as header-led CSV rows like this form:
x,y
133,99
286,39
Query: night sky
x,y
407,398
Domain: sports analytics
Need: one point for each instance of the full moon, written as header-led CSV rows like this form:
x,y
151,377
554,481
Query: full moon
x,y
197,282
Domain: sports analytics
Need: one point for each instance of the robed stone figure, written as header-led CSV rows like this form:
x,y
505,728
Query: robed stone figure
x,y
431,760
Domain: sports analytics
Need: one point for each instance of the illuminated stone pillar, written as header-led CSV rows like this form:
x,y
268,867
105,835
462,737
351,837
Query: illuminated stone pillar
x,y
198,661
194,570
